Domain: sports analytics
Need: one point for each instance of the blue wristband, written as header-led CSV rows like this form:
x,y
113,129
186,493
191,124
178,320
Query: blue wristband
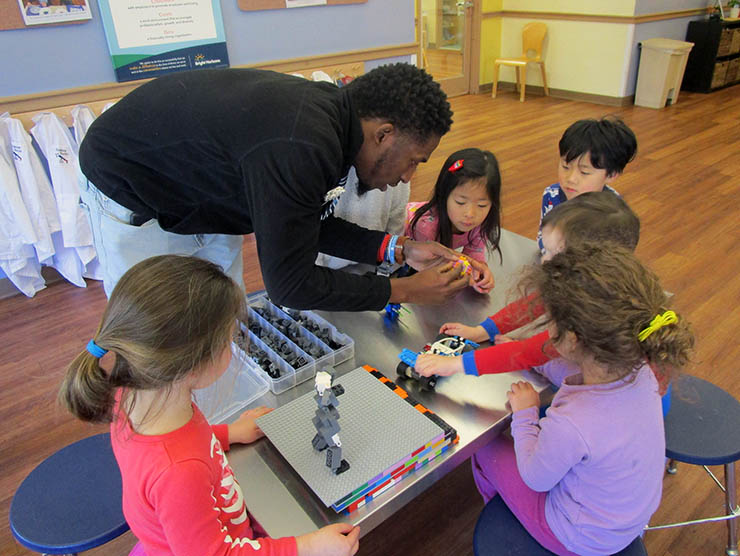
x,y
491,328
391,258
469,363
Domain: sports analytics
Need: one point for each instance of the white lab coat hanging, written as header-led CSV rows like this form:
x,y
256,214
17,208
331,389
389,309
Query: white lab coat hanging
x,y
41,205
82,117
39,200
60,150
17,235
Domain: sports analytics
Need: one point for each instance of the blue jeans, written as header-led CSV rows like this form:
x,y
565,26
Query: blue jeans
x,y
121,245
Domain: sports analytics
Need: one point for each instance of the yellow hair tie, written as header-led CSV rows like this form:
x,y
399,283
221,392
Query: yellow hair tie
x,y
669,317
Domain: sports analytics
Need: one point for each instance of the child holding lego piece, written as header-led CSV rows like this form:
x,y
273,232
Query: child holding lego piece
x,y
465,209
586,478
168,324
595,216
593,153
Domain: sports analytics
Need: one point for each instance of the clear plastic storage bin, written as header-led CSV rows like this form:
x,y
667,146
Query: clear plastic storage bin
x,y
292,332
234,391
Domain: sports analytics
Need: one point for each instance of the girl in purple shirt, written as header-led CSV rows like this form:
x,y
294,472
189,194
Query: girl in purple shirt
x,y
586,478
465,209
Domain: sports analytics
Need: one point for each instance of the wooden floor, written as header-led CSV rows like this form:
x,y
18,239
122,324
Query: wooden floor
x,y
685,186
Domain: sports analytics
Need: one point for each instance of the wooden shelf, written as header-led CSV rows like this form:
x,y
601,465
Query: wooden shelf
x,y
714,61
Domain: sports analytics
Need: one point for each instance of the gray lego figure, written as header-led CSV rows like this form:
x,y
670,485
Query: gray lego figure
x,y
326,421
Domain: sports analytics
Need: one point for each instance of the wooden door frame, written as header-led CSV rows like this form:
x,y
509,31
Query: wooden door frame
x,y
475,43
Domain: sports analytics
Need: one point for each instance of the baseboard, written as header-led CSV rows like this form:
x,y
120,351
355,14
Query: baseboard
x,y
506,86
7,289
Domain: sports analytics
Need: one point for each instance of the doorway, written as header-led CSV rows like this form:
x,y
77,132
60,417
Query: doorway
x,y
446,43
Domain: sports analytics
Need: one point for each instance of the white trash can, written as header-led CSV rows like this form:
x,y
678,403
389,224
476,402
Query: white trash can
x,y
662,63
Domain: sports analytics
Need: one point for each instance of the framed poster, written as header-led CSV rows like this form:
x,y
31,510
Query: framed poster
x,y
148,39
38,12
252,5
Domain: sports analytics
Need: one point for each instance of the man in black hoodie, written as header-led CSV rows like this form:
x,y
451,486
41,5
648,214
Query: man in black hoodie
x,y
189,162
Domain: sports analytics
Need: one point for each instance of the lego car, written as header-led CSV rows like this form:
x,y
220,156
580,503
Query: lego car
x,y
442,345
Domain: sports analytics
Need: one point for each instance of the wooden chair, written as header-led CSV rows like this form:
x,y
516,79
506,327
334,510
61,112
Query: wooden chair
x,y
533,35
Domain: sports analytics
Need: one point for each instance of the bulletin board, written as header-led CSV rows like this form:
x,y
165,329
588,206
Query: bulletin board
x,y
252,5
11,18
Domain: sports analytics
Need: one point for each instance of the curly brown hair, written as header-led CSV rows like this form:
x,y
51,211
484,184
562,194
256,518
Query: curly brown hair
x,y
606,297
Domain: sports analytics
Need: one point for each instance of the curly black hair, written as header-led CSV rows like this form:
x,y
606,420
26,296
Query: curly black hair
x,y
406,96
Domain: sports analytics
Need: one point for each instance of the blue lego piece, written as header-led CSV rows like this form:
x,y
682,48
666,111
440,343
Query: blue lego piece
x,y
472,344
392,311
408,357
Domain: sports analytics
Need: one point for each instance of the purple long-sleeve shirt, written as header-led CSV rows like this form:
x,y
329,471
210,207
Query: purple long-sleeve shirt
x,y
599,453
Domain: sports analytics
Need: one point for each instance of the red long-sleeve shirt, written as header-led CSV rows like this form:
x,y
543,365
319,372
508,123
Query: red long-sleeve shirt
x,y
516,355
180,496
522,354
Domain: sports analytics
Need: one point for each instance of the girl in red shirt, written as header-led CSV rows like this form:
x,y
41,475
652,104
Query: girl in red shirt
x,y
168,328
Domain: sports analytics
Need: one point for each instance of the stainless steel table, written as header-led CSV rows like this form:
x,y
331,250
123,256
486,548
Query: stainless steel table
x,y
475,406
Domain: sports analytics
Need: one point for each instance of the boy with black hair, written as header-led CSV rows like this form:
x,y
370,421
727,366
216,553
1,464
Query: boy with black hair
x,y
593,153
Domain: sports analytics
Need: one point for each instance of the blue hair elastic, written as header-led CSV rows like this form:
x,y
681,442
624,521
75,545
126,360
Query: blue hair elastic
x,y
95,350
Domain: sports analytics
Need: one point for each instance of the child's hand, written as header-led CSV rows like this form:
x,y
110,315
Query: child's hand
x,y
475,333
244,430
481,278
428,364
339,539
522,395
501,339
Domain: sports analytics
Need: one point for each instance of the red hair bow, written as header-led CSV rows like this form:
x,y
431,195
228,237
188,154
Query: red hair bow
x,y
455,166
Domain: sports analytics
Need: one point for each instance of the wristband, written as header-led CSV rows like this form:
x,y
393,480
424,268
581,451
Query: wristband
x,y
469,365
400,242
383,249
490,327
391,253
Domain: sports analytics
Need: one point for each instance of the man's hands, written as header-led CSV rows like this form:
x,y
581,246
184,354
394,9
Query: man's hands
x,y
428,364
432,286
421,255
522,395
244,430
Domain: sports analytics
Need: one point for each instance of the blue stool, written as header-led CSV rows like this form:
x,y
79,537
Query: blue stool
x,y
703,428
72,501
498,532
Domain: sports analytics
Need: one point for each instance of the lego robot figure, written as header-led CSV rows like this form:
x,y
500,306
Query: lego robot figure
x,y
443,345
326,421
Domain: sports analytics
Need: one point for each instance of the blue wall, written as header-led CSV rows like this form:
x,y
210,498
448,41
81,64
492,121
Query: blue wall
x,y
48,58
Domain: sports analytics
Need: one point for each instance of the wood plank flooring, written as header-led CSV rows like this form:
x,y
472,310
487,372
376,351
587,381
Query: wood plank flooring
x,y
684,185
